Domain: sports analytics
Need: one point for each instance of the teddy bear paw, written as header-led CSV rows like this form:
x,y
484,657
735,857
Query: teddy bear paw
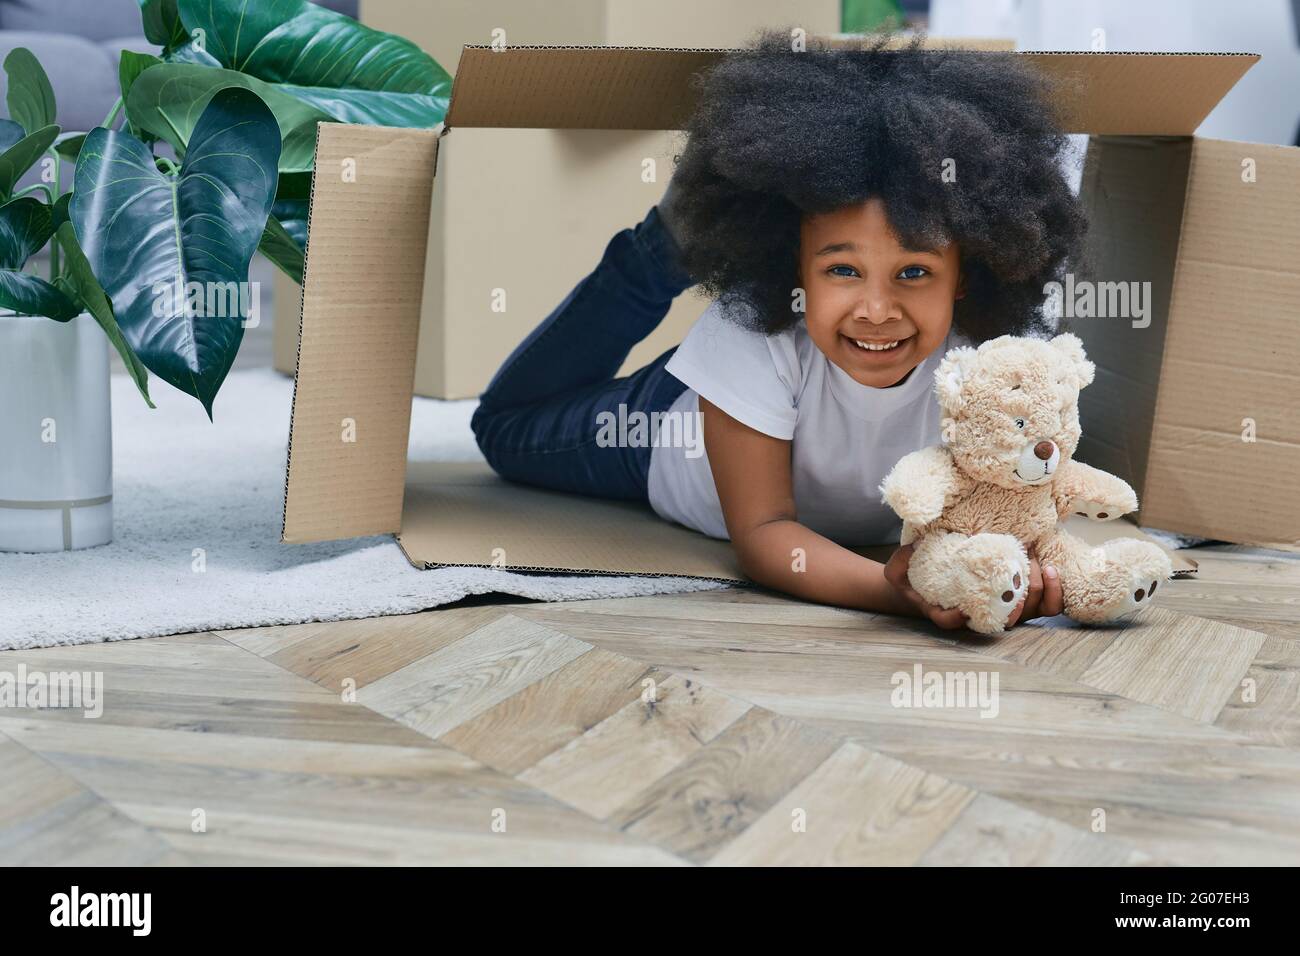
x,y
1136,571
997,611
1004,570
1097,510
1136,595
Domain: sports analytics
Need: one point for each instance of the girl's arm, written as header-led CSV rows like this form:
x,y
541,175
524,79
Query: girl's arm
x,y
752,474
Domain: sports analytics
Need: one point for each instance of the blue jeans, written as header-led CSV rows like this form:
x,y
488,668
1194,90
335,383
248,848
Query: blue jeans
x,y
537,422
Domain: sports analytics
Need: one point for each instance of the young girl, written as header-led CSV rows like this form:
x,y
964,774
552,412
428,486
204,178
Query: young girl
x,y
855,214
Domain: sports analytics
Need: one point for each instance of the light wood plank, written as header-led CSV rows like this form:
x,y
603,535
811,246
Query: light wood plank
x,y
256,839
1052,646
1185,664
1189,802
719,791
48,818
739,605
1268,708
460,681
365,650
859,808
993,832
543,717
623,755
1236,584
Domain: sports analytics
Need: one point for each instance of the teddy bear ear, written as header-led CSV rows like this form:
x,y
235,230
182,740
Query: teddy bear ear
x,y
1071,347
951,375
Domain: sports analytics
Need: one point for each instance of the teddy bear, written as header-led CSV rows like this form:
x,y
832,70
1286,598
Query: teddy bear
x,y
1003,478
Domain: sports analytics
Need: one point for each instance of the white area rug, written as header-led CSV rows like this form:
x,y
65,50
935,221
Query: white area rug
x,y
182,483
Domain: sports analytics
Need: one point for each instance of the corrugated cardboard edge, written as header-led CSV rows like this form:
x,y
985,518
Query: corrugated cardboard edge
x,y
358,330
297,354
631,87
569,572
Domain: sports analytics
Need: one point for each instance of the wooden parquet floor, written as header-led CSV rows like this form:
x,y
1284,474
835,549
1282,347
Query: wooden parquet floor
x,y
722,728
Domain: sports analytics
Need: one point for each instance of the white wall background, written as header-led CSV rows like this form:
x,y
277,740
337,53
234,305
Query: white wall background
x,y
1264,107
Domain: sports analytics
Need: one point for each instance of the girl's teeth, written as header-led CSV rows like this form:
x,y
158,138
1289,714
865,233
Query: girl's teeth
x,y
874,348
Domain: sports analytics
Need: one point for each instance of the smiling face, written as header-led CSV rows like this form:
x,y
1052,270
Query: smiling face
x,y
874,308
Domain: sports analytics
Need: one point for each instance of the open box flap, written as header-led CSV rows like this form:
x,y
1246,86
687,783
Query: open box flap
x,y
362,289
463,514
649,88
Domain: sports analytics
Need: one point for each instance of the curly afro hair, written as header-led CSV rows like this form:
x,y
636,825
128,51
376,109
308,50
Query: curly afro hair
x,y
778,134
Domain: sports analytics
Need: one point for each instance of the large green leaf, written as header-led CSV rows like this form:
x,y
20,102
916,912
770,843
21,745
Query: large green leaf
x,y
30,97
292,215
25,227
190,53
285,245
162,24
153,238
68,145
21,156
167,100
81,280
129,68
32,295
347,70
285,239
59,211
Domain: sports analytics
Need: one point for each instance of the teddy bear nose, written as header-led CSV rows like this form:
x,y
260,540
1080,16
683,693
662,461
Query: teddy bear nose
x,y
1043,450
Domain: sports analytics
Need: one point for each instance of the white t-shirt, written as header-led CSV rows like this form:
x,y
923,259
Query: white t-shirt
x,y
846,436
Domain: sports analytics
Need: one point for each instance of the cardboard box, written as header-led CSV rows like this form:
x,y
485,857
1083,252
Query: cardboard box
x,y
529,211
443,27
366,282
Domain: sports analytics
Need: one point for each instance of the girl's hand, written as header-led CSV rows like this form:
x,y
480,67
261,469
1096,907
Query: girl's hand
x,y
1043,599
912,603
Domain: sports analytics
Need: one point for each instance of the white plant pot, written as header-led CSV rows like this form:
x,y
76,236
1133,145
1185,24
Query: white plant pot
x,y
56,441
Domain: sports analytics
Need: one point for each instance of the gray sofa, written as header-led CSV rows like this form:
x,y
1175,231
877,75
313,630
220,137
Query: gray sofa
x,y
78,43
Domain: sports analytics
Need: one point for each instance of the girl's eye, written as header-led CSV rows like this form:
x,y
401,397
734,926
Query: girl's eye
x,y
1020,423
914,272
848,271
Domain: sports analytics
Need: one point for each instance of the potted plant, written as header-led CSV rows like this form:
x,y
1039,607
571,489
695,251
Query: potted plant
x,y
206,159
55,436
